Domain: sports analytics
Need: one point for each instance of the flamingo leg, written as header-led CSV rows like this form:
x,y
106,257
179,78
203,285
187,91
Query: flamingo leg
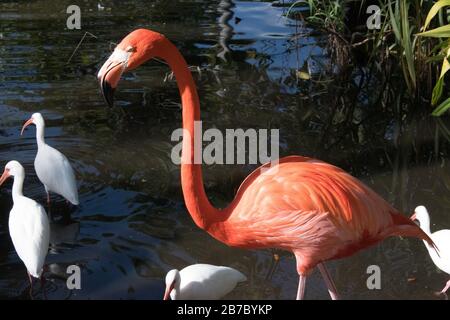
x,y
328,281
301,287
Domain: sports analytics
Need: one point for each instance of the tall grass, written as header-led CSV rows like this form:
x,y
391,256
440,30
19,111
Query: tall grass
x,y
413,39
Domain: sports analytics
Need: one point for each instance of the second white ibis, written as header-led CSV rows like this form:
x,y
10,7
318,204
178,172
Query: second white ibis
x,y
442,240
201,282
52,167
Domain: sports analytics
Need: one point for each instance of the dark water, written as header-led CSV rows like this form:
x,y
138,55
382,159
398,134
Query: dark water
x,y
132,226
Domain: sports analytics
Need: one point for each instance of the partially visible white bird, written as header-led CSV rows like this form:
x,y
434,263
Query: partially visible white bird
x,y
441,238
28,223
52,167
201,282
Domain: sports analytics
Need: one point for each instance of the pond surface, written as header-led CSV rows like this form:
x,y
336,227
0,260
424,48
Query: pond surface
x,y
132,225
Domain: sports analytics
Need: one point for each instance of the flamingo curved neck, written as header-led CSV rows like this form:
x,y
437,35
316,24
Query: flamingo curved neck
x,y
196,200
17,189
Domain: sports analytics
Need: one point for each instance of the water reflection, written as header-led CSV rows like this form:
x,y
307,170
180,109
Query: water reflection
x,y
131,226
226,33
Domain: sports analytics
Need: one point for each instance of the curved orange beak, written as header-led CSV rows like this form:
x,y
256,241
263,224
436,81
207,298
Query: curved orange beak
x,y
26,124
168,291
413,217
4,176
110,73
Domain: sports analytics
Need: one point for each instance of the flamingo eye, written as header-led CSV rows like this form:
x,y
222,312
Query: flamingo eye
x,y
131,49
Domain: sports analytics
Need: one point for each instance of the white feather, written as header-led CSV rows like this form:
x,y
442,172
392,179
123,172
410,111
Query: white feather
x,y
206,282
442,240
52,167
28,223
30,232
55,172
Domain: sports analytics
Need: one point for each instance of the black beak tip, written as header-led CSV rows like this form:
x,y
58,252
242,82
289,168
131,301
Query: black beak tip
x,y
108,93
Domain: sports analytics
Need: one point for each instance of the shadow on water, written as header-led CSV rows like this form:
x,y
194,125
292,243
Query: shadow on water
x,y
132,226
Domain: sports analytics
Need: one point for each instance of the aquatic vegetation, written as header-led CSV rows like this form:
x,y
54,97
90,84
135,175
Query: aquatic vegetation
x,y
408,41
443,48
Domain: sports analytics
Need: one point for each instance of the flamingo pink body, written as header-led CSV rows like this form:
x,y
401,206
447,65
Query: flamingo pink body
x,y
306,206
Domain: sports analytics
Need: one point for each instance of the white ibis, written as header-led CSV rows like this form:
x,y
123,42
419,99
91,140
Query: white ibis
x,y
201,282
28,223
442,240
52,167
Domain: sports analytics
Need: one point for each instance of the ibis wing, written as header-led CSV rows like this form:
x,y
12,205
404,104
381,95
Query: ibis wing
x,y
55,172
30,233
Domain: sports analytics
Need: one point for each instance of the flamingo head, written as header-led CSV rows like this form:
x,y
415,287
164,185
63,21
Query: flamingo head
x,y
12,169
172,280
420,214
35,119
136,48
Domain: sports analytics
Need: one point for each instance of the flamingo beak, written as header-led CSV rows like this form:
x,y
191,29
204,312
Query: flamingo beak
x,y
413,217
110,73
26,124
4,176
168,291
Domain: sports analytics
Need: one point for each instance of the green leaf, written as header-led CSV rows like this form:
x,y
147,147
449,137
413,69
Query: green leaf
x,y
434,58
441,32
394,24
434,10
295,4
407,46
437,91
445,67
444,106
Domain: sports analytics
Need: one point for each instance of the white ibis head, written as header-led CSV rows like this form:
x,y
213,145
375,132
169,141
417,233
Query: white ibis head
x,y
12,169
420,214
35,119
173,279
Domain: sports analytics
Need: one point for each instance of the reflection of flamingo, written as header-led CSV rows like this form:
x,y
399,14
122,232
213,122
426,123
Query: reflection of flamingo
x,y
201,282
309,207
441,238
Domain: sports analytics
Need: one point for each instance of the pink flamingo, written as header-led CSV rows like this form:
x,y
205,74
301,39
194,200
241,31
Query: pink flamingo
x,y
306,206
